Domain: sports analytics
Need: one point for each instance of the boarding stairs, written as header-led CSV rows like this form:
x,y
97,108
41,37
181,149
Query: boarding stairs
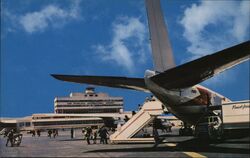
x,y
150,109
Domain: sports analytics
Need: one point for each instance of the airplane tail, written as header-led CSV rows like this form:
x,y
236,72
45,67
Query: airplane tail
x,y
196,71
169,76
182,76
160,44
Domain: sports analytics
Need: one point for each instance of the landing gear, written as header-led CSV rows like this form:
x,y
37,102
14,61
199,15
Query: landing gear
x,y
186,130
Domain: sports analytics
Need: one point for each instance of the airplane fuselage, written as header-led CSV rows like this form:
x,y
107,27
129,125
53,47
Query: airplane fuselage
x,y
188,104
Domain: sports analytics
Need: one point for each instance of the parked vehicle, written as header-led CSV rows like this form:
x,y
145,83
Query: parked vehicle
x,y
227,120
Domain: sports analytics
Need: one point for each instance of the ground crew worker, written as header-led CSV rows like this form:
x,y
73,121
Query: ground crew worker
x,y
155,132
10,136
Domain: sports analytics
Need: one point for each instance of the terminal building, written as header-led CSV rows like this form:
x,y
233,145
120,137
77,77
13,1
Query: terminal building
x,y
77,110
88,102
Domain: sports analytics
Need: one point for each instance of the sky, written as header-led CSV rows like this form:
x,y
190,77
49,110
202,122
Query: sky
x,y
111,38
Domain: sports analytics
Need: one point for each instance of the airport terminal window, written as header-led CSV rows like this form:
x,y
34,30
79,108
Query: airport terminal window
x,y
88,105
27,124
67,122
79,111
21,124
94,100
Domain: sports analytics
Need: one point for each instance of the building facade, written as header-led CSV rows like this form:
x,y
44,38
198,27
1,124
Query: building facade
x,y
88,102
66,121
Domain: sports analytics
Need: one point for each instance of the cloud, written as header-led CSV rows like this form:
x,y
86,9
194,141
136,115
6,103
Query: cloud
x,y
127,47
49,16
211,26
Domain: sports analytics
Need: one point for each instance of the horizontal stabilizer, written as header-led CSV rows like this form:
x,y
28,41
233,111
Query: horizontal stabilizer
x,y
116,82
198,70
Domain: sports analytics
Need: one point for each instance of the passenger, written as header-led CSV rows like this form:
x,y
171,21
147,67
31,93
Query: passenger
x,y
113,130
49,133
10,136
38,132
84,133
139,106
126,118
103,134
5,132
101,139
72,133
94,136
54,133
33,133
152,98
88,134
133,113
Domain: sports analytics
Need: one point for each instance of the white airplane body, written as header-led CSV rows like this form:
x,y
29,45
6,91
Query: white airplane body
x,y
187,104
175,86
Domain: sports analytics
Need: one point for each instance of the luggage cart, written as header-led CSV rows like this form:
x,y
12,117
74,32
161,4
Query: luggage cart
x,y
17,139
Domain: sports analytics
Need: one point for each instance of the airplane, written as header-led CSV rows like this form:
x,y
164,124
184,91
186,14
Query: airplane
x,y
177,87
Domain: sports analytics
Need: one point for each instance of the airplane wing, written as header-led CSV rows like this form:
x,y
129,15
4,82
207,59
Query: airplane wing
x,y
198,70
117,82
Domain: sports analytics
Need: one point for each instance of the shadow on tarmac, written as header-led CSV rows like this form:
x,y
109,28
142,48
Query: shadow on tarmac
x,y
197,145
237,142
74,139
193,145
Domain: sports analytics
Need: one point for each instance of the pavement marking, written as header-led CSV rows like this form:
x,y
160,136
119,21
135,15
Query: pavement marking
x,y
194,154
170,144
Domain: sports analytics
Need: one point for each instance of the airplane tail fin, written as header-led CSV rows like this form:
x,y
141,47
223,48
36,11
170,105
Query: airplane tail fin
x,y
161,48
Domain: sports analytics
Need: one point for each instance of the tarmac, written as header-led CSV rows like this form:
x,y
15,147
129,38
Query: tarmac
x,y
172,146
